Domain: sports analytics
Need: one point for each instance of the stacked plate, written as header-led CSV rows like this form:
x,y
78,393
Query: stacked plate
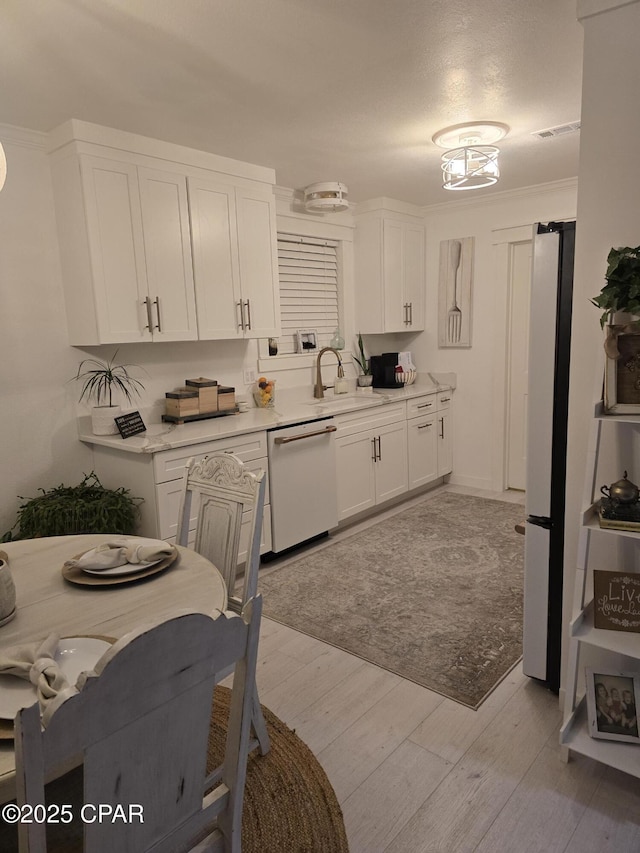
x,y
74,655
86,571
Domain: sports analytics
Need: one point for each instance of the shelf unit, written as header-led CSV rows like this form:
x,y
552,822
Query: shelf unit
x,y
574,734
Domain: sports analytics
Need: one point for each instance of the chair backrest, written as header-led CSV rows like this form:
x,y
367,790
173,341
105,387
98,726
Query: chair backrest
x,y
139,724
228,501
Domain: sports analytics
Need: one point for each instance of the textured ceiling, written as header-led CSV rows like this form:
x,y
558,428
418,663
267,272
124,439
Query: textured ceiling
x,y
320,90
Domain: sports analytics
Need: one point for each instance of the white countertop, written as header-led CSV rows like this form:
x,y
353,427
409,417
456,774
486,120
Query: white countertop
x,y
165,436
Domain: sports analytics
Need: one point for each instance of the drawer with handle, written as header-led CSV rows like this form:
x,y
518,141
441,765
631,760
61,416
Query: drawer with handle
x,y
444,400
419,406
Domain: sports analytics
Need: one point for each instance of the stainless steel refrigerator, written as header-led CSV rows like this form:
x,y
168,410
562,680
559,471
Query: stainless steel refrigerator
x,y
547,409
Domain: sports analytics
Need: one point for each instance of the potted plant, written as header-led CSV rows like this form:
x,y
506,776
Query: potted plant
x,y
621,293
365,379
100,382
86,508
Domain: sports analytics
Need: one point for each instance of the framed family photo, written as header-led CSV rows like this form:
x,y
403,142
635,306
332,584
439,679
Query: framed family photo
x,y
611,705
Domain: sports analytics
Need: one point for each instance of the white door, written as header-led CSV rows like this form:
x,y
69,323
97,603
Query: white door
x,y
422,440
257,247
114,229
391,467
518,366
355,474
394,314
167,243
215,259
414,281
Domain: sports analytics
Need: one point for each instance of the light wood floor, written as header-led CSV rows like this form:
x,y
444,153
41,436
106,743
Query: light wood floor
x,y
416,772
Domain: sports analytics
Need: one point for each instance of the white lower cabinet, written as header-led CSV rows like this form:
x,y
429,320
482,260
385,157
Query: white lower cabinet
x,y
157,478
371,457
423,450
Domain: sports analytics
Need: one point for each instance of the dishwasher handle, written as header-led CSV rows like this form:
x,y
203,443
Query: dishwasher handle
x,y
289,438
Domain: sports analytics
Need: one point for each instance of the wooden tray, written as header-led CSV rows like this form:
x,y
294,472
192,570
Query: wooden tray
x,y
74,574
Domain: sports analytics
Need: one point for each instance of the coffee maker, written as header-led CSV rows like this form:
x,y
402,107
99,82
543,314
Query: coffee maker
x,y
383,368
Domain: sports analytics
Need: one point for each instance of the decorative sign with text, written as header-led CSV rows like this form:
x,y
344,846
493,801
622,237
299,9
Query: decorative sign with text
x,y
130,424
616,597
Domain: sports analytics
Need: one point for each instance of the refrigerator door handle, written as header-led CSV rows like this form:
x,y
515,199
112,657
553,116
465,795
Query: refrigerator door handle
x,y
540,521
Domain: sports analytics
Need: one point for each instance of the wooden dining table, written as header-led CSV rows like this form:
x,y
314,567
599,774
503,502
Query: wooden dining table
x,y
46,602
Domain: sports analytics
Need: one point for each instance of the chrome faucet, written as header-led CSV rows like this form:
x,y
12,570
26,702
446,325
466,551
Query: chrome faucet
x,y
318,391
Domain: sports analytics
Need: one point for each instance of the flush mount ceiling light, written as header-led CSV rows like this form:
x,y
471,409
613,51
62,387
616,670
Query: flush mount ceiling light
x,y
472,161
326,197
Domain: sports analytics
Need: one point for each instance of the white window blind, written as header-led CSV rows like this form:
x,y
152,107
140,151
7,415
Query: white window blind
x,y
308,272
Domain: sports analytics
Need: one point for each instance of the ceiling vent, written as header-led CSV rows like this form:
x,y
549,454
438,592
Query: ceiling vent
x,y
326,197
559,130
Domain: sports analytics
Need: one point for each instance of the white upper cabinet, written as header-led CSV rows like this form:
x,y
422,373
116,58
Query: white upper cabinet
x,y
157,243
235,260
389,264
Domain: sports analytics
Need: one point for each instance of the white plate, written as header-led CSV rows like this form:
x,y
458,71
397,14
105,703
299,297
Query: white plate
x,y
74,654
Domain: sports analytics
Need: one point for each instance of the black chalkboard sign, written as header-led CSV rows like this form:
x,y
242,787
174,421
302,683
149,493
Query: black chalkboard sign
x,y
130,424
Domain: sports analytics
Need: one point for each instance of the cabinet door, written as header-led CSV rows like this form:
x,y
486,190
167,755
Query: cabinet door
x,y
355,473
394,303
422,451
215,259
116,247
413,277
257,248
167,243
445,446
391,467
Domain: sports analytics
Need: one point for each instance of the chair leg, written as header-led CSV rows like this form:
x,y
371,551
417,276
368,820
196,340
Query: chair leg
x,y
259,726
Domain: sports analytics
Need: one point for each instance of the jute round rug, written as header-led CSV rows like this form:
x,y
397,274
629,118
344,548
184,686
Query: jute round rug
x,y
289,804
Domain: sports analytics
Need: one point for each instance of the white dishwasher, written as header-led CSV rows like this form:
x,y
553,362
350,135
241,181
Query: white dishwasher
x,y
302,482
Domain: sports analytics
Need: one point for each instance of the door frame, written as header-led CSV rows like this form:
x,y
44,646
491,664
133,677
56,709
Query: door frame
x,y
502,240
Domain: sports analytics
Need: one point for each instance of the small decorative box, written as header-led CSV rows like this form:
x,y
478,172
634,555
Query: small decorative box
x,y
207,393
181,402
226,398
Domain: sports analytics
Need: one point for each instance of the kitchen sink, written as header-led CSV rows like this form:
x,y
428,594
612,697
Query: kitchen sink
x,y
343,401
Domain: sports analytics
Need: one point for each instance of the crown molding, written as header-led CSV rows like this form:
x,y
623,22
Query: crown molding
x,y
506,195
589,8
22,136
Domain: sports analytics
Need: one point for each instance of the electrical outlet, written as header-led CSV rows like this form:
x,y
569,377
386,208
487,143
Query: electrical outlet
x,y
249,376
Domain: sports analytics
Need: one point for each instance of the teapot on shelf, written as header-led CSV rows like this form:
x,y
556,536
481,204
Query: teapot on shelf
x,y
622,492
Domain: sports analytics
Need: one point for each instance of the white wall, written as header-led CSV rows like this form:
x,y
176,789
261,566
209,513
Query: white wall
x,y
480,394
608,215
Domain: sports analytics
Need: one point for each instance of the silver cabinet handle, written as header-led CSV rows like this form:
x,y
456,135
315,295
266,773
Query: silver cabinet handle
x,y
425,405
445,399
157,304
406,313
147,303
289,438
240,305
248,324
411,313
379,450
441,427
375,455
425,426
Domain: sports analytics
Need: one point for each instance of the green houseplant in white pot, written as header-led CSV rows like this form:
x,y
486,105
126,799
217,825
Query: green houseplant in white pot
x,y
365,379
621,293
102,383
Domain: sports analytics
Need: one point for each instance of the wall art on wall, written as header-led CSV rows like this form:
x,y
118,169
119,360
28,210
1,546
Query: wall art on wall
x,y
455,284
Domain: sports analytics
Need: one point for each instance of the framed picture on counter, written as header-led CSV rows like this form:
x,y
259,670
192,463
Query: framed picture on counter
x,y
611,705
307,340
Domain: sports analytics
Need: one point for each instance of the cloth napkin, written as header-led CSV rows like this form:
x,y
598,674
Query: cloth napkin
x,y
118,552
36,663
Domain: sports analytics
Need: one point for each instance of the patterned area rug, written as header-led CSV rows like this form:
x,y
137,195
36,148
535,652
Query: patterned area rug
x,y
433,594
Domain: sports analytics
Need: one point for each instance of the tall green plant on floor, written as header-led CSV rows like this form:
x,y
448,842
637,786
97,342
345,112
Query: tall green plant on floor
x,y
86,508
622,290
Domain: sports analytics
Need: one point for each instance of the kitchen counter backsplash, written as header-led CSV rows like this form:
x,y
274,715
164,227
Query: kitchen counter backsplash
x,y
293,405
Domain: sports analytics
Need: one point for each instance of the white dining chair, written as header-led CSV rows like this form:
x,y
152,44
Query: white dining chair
x,y
227,500
139,725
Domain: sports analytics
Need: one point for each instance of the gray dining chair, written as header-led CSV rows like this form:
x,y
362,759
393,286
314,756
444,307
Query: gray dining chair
x,y
227,500
139,725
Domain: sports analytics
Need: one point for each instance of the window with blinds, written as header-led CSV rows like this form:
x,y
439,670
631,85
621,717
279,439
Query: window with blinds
x,y
308,272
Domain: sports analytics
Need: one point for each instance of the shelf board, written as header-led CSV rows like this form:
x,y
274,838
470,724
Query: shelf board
x,y
620,642
625,419
575,735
